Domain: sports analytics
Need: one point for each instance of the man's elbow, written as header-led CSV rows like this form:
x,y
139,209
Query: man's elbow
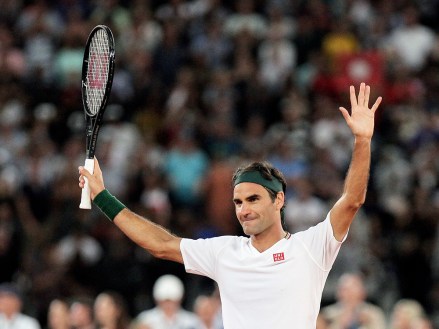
x,y
160,251
357,205
157,253
355,202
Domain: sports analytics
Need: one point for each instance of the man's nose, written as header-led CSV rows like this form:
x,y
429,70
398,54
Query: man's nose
x,y
244,209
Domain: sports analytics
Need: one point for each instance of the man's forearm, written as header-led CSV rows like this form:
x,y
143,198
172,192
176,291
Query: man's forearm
x,y
357,178
150,236
355,187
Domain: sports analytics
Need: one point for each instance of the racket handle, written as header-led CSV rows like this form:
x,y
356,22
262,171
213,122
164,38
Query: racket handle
x,y
85,194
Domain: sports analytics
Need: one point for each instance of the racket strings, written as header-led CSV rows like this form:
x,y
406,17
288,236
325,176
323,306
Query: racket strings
x,y
98,70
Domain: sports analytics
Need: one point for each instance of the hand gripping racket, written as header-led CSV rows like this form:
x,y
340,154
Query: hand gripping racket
x,y
97,78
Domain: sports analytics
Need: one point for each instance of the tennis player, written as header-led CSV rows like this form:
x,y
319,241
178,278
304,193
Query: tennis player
x,y
270,279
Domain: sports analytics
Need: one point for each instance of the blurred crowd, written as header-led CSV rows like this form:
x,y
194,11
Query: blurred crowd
x,y
201,86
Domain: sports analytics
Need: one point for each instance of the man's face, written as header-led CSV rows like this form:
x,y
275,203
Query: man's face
x,y
254,208
10,304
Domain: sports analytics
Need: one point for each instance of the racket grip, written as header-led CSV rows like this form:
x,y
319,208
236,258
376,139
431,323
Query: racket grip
x,y
85,194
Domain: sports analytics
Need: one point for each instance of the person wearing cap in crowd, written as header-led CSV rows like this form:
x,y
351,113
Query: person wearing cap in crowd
x,y
269,278
11,304
168,292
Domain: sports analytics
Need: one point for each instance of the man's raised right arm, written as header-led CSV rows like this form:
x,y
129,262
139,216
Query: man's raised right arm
x,y
154,238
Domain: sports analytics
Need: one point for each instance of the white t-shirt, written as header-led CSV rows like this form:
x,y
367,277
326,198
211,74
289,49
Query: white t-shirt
x,y
278,288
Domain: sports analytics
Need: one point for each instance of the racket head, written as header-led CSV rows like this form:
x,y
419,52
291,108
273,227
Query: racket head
x,y
97,69
97,79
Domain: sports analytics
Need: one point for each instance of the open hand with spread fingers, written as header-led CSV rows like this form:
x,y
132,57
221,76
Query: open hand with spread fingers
x,y
361,118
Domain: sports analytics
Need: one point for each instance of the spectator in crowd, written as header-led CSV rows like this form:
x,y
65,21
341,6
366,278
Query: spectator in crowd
x,y
168,293
277,57
58,314
216,187
328,133
42,26
245,20
112,12
406,313
11,304
352,310
411,43
211,48
293,132
304,209
81,313
340,41
206,308
110,311
186,165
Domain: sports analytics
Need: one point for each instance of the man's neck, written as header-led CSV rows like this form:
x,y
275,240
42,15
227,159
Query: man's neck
x,y
266,240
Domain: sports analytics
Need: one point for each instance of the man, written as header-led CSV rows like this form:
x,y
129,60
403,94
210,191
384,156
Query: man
x,y
11,304
271,279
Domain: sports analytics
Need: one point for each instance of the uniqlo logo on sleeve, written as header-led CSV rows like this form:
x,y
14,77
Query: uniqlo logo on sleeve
x,y
278,257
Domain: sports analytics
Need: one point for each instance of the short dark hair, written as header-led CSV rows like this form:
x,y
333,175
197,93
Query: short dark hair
x,y
268,171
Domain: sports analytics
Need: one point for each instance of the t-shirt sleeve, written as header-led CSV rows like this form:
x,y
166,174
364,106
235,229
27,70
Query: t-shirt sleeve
x,y
320,243
200,256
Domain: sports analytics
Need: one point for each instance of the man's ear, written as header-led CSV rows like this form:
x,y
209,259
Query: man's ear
x,y
280,200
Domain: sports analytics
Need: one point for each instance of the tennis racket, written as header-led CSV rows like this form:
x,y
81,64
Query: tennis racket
x,y
97,78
